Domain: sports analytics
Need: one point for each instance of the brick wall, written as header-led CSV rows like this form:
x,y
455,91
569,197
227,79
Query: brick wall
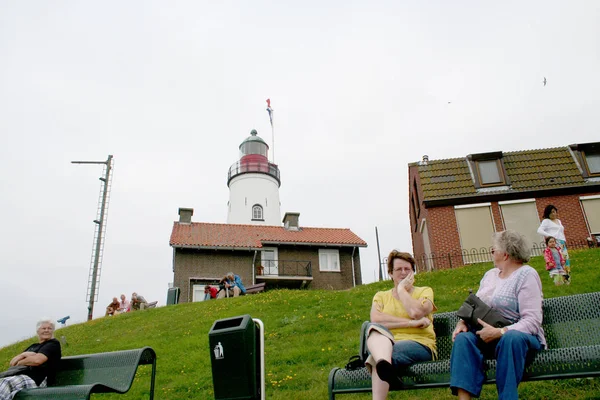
x,y
209,264
443,233
417,237
325,279
497,216
215,264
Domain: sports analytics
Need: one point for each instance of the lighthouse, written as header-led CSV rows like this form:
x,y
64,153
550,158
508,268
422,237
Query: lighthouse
x,y
254,185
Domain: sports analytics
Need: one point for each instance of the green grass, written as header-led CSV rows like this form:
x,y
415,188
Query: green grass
x,y
307,334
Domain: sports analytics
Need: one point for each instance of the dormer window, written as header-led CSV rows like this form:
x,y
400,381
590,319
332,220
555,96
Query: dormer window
x,y
592,163
489,172
257,213
488,169
588,156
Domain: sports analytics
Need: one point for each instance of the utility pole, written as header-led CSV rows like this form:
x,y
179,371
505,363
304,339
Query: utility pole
x,y
100,221
378,256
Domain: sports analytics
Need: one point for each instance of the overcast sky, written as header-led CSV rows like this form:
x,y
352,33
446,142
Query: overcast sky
x,y
360,89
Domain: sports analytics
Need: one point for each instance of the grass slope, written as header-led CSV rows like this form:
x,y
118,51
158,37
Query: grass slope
x,y
307,334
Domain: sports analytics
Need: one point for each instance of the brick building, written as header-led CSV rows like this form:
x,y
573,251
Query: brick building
x,y
281,256
456,204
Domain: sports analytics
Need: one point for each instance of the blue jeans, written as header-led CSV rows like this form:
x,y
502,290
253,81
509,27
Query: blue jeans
x,y
407,352
511,352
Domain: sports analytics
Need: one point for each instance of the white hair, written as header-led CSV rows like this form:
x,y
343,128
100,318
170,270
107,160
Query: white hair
x,y
45,320
514,244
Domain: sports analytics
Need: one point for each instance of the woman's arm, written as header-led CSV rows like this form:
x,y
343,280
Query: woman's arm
x,y
416,308
543,229
33,360
391,321
530,305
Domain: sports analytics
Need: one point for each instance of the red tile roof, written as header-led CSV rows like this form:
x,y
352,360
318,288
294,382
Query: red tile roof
x,y
203,235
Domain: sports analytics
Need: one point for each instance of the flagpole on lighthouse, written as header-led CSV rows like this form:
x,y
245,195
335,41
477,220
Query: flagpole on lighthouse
x,y
271,113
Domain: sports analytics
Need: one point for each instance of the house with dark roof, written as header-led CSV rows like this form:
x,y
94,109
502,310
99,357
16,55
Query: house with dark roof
x,y
290,256
456,204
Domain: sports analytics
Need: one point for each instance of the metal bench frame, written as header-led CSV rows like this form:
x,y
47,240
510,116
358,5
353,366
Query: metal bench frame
x,y
572,328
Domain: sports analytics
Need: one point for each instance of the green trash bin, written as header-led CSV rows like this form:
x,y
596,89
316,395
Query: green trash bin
x,y
233,355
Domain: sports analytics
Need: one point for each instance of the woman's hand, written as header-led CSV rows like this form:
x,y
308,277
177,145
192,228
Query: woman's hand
x,y
460,327
420,323
488,333
407,283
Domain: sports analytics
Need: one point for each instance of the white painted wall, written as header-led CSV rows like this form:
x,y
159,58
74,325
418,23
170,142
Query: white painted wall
x,y
245,191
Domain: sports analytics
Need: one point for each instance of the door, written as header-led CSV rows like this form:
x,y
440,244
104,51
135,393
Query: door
x,y
268,259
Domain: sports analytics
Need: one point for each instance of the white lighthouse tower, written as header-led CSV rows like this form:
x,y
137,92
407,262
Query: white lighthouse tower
x,y
254,185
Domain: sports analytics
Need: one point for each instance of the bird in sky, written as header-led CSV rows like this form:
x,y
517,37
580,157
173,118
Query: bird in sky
x,y
544,81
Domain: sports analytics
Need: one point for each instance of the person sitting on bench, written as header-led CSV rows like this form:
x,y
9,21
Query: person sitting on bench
x,y
41,360
231,282
138,302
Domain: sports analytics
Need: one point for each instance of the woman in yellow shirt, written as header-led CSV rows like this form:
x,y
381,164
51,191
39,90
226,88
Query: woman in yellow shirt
x,y
401,330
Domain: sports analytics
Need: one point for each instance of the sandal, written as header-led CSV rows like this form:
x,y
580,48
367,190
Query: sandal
x,y
388,373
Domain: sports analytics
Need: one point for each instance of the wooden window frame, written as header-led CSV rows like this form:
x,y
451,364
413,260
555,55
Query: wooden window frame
x,y
585,163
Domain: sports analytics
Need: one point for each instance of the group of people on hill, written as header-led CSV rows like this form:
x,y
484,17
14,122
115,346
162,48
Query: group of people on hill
x,y
229,286
556,255
138,302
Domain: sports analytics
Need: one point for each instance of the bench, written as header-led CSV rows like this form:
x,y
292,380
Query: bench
x,y
80,376
572,329
259,287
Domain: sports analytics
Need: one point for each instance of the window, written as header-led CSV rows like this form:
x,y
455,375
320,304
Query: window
x,y
488,169
592,161
587,156
489,173
475,229
257,213
269,262
329,260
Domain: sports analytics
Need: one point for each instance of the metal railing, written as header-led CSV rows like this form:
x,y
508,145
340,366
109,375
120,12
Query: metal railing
x,y
284,268
253,167
459,258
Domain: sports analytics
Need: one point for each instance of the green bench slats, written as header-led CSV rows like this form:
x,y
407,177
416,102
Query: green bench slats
x,y
80,376
572,328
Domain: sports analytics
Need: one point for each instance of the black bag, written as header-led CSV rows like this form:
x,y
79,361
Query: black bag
x,y
16,370
474,308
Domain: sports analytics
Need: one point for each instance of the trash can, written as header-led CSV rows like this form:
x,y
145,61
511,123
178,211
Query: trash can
x,y
233,354
173,296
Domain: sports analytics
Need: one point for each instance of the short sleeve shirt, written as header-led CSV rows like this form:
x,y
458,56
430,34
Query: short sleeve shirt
x,y
386,303
51,349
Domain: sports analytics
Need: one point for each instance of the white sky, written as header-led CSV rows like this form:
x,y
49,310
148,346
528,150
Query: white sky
x,y
360,89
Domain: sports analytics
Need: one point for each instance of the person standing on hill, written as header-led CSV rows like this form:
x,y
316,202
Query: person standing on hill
x,y
551,226
401,330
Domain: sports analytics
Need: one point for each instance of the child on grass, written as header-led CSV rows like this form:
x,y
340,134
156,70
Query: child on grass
x,y
555,262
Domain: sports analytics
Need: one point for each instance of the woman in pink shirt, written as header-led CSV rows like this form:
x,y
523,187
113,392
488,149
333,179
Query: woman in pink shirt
x,y
515,290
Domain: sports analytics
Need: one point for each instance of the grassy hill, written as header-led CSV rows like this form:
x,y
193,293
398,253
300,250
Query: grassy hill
x,y
307,333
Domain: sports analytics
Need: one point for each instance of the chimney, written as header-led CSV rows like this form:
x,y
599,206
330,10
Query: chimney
x,y
425,160
290,221
185,215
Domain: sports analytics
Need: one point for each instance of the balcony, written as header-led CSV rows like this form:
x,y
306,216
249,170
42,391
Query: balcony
x,y
253,167
285,273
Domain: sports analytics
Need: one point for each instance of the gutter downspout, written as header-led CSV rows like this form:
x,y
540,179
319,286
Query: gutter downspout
x,y
254,263
353,274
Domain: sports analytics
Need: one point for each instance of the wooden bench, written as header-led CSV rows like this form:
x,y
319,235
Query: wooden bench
x,y
80,376
572,329
259,287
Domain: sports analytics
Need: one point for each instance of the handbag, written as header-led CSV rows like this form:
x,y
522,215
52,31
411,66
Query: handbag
x,y
474,308
16,370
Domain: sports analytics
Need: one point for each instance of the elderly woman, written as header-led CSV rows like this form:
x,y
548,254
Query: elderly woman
x,y
515,290
401,330
42,359
551,226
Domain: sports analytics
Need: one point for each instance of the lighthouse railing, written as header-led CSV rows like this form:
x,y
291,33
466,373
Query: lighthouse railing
x,y
240,167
